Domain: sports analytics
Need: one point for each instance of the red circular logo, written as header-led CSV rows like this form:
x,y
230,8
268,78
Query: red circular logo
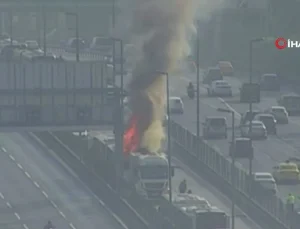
x,y
280,43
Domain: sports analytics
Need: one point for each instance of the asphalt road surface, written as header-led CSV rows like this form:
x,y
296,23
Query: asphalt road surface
x,y
37,187
267,153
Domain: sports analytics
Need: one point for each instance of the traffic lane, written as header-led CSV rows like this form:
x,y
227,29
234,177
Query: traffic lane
x,y
8,218
33,208
208,107
288,135
268,152
78,204
181,80
202,188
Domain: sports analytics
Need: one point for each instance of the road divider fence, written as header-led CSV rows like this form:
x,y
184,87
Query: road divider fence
x,y
267,210
84,54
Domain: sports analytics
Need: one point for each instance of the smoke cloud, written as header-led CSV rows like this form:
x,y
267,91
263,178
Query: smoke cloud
x,y
162,28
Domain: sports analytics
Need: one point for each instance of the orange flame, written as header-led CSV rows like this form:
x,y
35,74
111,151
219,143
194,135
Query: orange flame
x,y
131,137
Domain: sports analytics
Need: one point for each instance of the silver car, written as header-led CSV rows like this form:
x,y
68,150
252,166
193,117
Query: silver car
x,y
259,130
280,114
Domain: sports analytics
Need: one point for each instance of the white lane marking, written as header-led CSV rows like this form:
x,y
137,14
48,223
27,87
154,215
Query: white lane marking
x,y
8,205
28,175
53,204
36,184
237,114
20,166
17,215
117,218
72,226
25,226
12,158
1,195
62,214
3,149
45,194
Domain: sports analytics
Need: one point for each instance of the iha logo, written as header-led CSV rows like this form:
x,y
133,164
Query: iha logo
x,y
282,43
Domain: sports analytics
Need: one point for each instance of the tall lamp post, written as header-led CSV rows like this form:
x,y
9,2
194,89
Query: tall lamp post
x,y
44,31
113,14
252,42
168,134
11,27
119,136
75,15
232,151
198,87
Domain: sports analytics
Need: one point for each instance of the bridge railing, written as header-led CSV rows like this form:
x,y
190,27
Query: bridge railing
x,y
208,161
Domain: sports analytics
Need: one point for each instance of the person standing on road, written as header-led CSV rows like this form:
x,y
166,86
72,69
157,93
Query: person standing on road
x,y
290,202
182,186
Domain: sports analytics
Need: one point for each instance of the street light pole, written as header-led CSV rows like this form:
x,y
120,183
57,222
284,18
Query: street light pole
x,y
120,132
250,104
44,32
232,153
233,172
77,36
11,27
113,14
168,135
198,87
169,139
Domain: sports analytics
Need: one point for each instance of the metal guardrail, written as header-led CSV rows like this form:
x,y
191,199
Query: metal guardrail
x,y
269,211
86,54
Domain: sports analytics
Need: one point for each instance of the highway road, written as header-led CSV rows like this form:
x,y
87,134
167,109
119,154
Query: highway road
x,y
38,186
268,153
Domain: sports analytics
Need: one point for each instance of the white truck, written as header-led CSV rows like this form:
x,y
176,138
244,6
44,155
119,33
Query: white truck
x,y
147,173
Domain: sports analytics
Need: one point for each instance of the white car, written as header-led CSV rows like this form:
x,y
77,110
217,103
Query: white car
x,y
259,130
220,88
267,181
32,45
176,105
280,114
